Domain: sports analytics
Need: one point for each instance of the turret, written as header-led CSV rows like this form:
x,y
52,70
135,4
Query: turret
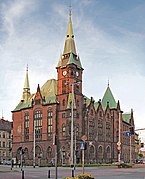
x,y
26,89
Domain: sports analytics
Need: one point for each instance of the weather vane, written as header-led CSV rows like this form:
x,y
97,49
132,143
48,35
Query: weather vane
x,y
70,9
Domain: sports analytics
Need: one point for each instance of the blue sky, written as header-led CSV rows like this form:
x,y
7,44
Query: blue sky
x,y
109,37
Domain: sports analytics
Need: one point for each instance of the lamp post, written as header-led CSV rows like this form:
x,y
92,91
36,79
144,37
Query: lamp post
x,y
130,151
119,139
34,147
72,129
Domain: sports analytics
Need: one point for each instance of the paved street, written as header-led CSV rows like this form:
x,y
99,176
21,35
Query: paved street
x,y
138,172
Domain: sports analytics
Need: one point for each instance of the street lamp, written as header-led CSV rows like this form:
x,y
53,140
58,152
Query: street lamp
x,y
34,147
72,128
119,139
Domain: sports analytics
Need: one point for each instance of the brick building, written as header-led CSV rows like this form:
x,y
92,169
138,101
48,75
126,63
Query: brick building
x,y
5,140
51,108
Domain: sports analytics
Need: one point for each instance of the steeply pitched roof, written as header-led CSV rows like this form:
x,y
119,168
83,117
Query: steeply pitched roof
x,y
74,60
126,117
108,97
26,90
96,104
5,125
48,90
69,55
69,42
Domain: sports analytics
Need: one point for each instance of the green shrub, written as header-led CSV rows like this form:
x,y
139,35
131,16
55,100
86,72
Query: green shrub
x,y
81,176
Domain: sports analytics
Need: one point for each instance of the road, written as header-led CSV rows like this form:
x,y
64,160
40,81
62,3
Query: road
x,y
137,172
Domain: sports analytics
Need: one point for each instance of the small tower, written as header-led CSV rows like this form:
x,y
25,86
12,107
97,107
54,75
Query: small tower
x,y
26,89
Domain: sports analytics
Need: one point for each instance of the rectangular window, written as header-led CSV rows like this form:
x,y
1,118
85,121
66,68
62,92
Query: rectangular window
x,y
49,122
4,144
38,124
26,125
63,86
63,115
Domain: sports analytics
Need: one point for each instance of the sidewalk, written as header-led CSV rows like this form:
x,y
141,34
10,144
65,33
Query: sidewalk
x,y
7,168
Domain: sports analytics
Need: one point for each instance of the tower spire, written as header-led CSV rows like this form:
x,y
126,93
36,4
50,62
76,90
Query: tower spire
x,y
26,89
70,10
69,42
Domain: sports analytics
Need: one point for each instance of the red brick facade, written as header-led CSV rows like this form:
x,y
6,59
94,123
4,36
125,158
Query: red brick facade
x,y
52,115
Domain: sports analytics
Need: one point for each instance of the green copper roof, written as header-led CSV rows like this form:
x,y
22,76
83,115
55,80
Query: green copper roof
x,y
126,117
25,104
74,60
96,104
48,90
108,97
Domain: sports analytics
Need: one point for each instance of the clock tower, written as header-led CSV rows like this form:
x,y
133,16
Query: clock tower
x,y
69,71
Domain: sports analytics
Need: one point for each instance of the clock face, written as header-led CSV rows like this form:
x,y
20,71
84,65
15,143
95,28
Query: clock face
x,y
64,73
77,73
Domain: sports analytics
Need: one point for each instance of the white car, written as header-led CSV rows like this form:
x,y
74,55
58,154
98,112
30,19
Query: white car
x,y
7,162
117,163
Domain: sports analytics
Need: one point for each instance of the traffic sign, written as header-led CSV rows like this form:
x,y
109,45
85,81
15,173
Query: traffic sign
x,y
128,134
118,143
82,145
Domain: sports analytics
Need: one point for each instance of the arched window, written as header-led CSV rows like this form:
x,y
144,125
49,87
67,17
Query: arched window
x,y
26,154
38,151
92,153
18,154
100,152
108,152
49,152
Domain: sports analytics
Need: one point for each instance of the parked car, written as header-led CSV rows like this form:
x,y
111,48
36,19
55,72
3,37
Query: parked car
x,y
116,163
142,161
6,162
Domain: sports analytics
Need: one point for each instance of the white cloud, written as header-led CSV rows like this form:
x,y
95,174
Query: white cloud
x,y
13,12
